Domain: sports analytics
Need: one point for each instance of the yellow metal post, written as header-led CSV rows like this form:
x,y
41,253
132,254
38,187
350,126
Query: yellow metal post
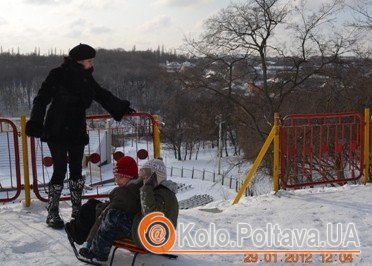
x,y
156,137
256,163
367,126
26,176
276,154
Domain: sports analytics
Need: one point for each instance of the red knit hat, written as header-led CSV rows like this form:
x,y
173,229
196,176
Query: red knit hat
x,y
126,167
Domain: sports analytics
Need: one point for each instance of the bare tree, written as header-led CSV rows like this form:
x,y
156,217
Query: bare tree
x,y
362,16
257,75
189,121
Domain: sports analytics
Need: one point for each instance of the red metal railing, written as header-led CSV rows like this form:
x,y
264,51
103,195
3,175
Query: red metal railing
x,y
10,168
132,136
321,149
370,149
315,149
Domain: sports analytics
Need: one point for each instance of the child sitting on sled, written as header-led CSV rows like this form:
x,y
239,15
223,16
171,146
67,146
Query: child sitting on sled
x,y
125,198
154,193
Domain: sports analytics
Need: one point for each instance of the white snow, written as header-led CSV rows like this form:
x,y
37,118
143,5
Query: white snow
x,y
26,240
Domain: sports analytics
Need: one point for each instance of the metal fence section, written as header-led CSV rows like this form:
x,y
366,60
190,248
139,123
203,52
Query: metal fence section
x,y
370,149
314,149
109,141
227,181
321,149
192,173
10,166
368,145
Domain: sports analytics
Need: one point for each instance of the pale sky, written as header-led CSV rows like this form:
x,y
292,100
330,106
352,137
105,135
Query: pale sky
x,y
62,24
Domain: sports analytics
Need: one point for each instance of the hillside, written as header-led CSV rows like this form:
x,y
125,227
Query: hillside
x,y
25,239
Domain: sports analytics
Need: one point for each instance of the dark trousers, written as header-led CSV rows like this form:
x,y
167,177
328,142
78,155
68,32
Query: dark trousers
x,y
115,223
59,154
80,227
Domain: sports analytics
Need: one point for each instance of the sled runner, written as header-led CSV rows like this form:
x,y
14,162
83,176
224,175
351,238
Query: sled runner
x,y
76,252
129,245
123,243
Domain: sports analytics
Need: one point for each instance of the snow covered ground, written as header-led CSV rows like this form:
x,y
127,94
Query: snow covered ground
x,y
26,240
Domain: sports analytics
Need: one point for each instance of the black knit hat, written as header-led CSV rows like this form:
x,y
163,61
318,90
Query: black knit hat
x,y
82,52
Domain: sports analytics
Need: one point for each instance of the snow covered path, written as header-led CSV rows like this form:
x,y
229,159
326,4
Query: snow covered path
x,y
26,240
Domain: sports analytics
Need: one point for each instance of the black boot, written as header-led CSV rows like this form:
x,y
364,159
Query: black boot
x,y
76,191
72,228
54,220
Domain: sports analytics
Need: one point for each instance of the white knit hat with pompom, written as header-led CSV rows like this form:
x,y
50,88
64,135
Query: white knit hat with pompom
x,y
157,166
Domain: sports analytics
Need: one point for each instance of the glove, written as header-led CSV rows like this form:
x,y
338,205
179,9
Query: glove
x,y
122,109
34,129
151,181
130,111
126,107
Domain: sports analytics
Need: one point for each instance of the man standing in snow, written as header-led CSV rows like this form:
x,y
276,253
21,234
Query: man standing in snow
x,y
70,90
156,194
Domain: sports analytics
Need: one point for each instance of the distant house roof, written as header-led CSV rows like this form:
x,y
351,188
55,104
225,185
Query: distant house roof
x,y
175,66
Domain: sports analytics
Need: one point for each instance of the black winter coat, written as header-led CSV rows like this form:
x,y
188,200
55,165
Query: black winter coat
x,y
70,90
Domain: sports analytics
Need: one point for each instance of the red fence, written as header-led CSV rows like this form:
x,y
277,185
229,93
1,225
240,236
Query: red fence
x,y
314,149
321,149
109,141
10,168
370,146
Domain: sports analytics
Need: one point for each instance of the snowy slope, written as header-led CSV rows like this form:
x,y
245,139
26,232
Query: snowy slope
x,y
26,240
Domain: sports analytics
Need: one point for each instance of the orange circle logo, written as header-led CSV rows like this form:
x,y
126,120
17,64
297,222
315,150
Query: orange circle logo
x,y
157,233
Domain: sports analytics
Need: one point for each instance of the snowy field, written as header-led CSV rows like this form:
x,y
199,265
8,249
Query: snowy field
x,y
26,240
